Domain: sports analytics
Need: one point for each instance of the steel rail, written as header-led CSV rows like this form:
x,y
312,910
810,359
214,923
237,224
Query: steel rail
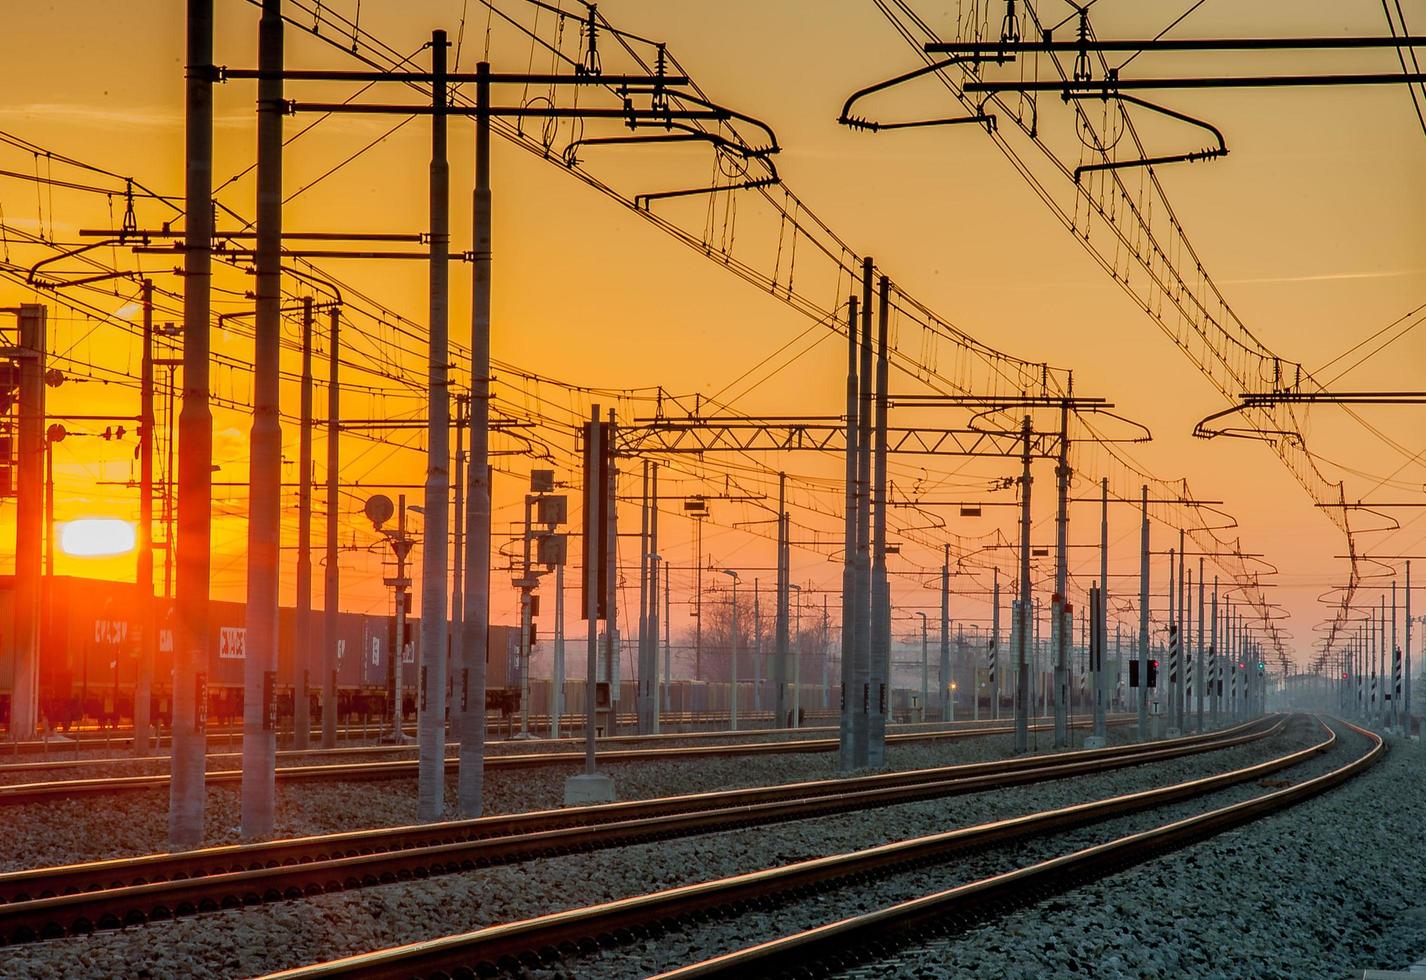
x,y
61,761
81,898
34,792
909,920
517,944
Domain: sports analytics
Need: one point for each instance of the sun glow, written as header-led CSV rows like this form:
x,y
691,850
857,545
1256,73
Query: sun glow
x,y
96,537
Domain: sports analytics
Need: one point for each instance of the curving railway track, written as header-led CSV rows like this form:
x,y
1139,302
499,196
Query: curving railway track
x,y
33,792
517,946
51,902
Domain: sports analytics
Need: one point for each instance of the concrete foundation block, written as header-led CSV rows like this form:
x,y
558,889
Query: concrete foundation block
x,y
588,788
1095,741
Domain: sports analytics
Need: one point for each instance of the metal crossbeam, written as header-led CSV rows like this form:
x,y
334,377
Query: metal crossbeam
x,y
696,436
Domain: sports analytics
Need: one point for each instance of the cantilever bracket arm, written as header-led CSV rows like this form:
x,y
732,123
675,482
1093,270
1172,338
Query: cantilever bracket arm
x,y
682,134
724,114
642,201
1209,153
1201,430
860,122
31,277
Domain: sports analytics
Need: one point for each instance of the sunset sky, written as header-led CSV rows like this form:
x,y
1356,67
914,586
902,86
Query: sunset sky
x,y
1312,227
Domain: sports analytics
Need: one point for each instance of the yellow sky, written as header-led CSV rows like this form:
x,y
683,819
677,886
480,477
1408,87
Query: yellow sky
x,y
1311,226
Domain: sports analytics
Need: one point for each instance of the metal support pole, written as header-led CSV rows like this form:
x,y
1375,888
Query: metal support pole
x,y
526,584
435,544
611,580
302,640
1144,616
925,666
880,664
642,701
758,651
148,632
667,641
1181,681
1201,667
733,665
331,577
475,620
1406,638
1098,682
1022,626
852,718
593,504
398,648
779,672
1215,662
265,468
1059,638
186,790
1395,665
557,681
994,646
653,614
943,676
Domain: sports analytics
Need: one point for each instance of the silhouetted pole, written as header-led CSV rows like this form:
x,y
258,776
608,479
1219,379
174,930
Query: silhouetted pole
x,y
611,579
32,444
1200,666
593,504
1215,662
331,574
1022,625
1059,630
1099,683
865,619
186,791
475,622
148,632
1144,616
302,639
644,703
852,717
779,673
1406,640
995,645
943,681
653,616
265,454
435,545
457,631
880,586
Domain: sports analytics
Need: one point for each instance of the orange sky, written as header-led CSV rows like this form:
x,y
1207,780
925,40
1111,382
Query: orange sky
x,y
1311,227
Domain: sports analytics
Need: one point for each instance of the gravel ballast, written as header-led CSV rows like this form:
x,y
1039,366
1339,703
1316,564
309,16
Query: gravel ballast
x,y
284,934
64,831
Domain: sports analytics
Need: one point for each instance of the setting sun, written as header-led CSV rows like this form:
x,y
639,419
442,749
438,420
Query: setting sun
x,y
97,537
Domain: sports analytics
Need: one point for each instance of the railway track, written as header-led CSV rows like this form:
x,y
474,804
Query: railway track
x,y
77,899
33,792
511,947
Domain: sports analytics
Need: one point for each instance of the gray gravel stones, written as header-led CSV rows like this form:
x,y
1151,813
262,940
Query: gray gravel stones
x,y
284,934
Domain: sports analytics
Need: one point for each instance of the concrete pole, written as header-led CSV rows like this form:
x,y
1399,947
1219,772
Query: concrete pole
x,y
1059,638
779,666
1215,663
457,608
1022,626
593,504
435,545
826,654
944,673
667,641
654,599
611,579
1101,620
148,633
1200,668
186,789
645,702
1406,638
331,573
995,645
925,666
557,682
1395,665
31,445
1119,665
866,626
1181,682
733,664
852,719
475,619
880,664
302,621
1175,646
265,467
1144,615
398,648
758,651
797,644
